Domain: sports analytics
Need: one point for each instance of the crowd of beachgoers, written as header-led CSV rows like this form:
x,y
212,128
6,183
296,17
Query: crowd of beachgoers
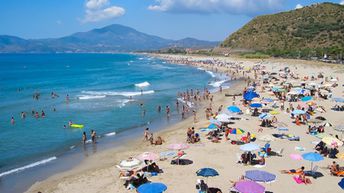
x,y
277,128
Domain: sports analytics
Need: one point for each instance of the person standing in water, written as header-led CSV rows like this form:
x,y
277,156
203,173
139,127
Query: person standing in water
x,y
67,98
84,137
12,120
93,136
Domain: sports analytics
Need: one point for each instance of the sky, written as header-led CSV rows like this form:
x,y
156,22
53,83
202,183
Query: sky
x,y
172,19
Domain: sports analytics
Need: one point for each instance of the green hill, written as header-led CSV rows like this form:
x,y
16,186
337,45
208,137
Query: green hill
x,y
308,32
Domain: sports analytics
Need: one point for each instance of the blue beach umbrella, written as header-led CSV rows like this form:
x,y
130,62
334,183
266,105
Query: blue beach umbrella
x,y
282,129
234,109
256,105
312,157
298,112
306,98
207,172
265,116
152,188
260,176
339,100
212,126
341,183
250,95
268,100
214,121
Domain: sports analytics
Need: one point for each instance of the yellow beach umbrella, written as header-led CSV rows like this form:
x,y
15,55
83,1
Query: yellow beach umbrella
x,y
340,156
331,140
274,112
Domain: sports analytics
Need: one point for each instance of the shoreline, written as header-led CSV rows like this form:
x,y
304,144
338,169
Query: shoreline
x,y
103,164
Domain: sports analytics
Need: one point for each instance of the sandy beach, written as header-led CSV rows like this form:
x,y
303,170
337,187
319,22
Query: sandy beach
x,y
98,173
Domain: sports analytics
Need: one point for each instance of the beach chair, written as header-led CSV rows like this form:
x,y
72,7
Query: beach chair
x,y
280,152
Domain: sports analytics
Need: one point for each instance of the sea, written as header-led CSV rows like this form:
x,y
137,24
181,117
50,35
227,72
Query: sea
x,y
116,95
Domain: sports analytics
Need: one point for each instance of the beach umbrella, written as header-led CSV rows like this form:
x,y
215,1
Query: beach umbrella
x,y
339,128
267,100
274,112
256,105
213,126
321,135
264,116
338,100
282,129
207,172
332,141
152,188
234,109
295,156
306,98
341,183
260,176
340,156
249,187
148,156
266,138
236,131
249,147
216,122
315,121
327,124
166,154
320,118
312,157
178,146
223,118
250,95
130,164
298,112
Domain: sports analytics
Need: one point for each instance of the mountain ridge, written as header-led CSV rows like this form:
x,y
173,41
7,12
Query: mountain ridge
x,y
310,31
111,38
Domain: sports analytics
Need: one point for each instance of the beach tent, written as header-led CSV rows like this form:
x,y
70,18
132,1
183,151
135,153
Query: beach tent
x,y
260,176
249,187
152,188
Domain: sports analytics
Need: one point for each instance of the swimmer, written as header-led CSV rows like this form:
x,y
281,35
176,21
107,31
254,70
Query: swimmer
x,y
84,137
12,120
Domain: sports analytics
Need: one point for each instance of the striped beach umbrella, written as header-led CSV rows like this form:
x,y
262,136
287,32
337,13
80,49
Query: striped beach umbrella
x,y
236,131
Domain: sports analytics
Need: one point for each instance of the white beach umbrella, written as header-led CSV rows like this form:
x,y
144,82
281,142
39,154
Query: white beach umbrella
x,y
223,118
130,164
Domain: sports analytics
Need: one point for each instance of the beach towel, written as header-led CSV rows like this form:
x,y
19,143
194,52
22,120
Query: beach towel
x,y
341,173
298,180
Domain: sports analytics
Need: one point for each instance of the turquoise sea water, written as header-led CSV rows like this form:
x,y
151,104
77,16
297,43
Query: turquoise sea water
x,y
102,96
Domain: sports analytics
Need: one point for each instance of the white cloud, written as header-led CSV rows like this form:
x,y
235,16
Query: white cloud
x,y
96,4
342,2
98,10
298,6
246,7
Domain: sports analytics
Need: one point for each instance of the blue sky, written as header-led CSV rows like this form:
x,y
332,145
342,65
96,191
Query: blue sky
x,y
174,19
